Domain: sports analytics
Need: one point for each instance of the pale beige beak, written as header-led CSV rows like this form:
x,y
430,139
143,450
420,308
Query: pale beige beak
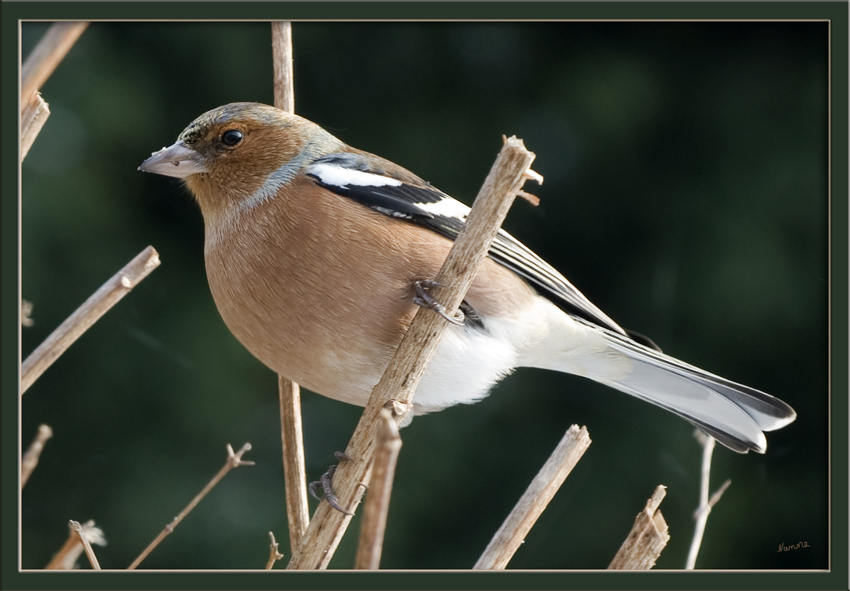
x,y
176,160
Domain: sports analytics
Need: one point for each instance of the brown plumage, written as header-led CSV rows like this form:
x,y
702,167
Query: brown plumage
x,y
312,250
279,284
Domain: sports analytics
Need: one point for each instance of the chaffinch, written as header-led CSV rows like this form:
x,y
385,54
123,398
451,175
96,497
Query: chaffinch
x,y
317,254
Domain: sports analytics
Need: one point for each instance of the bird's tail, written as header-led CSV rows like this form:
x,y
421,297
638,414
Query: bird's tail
x,y
734,414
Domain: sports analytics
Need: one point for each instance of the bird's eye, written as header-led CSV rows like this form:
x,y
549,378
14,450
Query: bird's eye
x,y
231,137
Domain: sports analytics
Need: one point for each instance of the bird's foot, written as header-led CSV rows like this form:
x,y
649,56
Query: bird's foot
x,y
424,299
326,484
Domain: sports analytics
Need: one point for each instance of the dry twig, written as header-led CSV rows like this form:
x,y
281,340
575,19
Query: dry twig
x,y
294,472
284,93
416,349
647,539
30,459
535,499
716,496
67,556
109,294
234,460
51,50
374,524
81,534
705,503
33,115
275,554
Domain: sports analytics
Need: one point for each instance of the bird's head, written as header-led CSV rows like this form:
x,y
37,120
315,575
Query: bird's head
x,y
240,152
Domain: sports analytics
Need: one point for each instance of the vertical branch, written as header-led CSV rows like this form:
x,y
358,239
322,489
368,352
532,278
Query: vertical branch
x,y
49,52
535,499
284,93
702,513
109,294
294,472
377,503
705,503
417,347
647,538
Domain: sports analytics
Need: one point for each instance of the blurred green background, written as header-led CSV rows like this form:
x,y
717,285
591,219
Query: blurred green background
x,y
685,193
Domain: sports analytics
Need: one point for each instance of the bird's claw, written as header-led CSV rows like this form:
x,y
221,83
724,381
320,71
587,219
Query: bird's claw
x,y
424,299
326,484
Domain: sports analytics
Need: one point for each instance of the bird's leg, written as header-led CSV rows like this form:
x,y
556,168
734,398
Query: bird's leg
x,y
424,299
326,483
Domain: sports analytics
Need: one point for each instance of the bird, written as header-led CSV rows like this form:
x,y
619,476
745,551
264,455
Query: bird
x,y
318,255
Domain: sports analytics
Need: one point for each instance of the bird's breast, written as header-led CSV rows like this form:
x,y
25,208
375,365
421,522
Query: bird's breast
x,y
321,297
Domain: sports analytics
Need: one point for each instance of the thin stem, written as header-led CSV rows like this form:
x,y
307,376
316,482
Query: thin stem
x,y
275,554
73,547
718,493
415,351
284,89
30,459
33,116
294,471
78,529
705,504
109,294
234,460
387,447
537,496
295,474
65,558
67,554
49,52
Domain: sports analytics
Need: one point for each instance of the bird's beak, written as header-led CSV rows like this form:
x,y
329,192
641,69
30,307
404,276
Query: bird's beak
x,y
176,160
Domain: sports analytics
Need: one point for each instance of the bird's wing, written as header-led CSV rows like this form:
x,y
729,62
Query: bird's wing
x,y
393,191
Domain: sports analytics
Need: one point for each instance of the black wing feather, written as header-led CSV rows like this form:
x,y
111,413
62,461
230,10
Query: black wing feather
x,y
406,201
